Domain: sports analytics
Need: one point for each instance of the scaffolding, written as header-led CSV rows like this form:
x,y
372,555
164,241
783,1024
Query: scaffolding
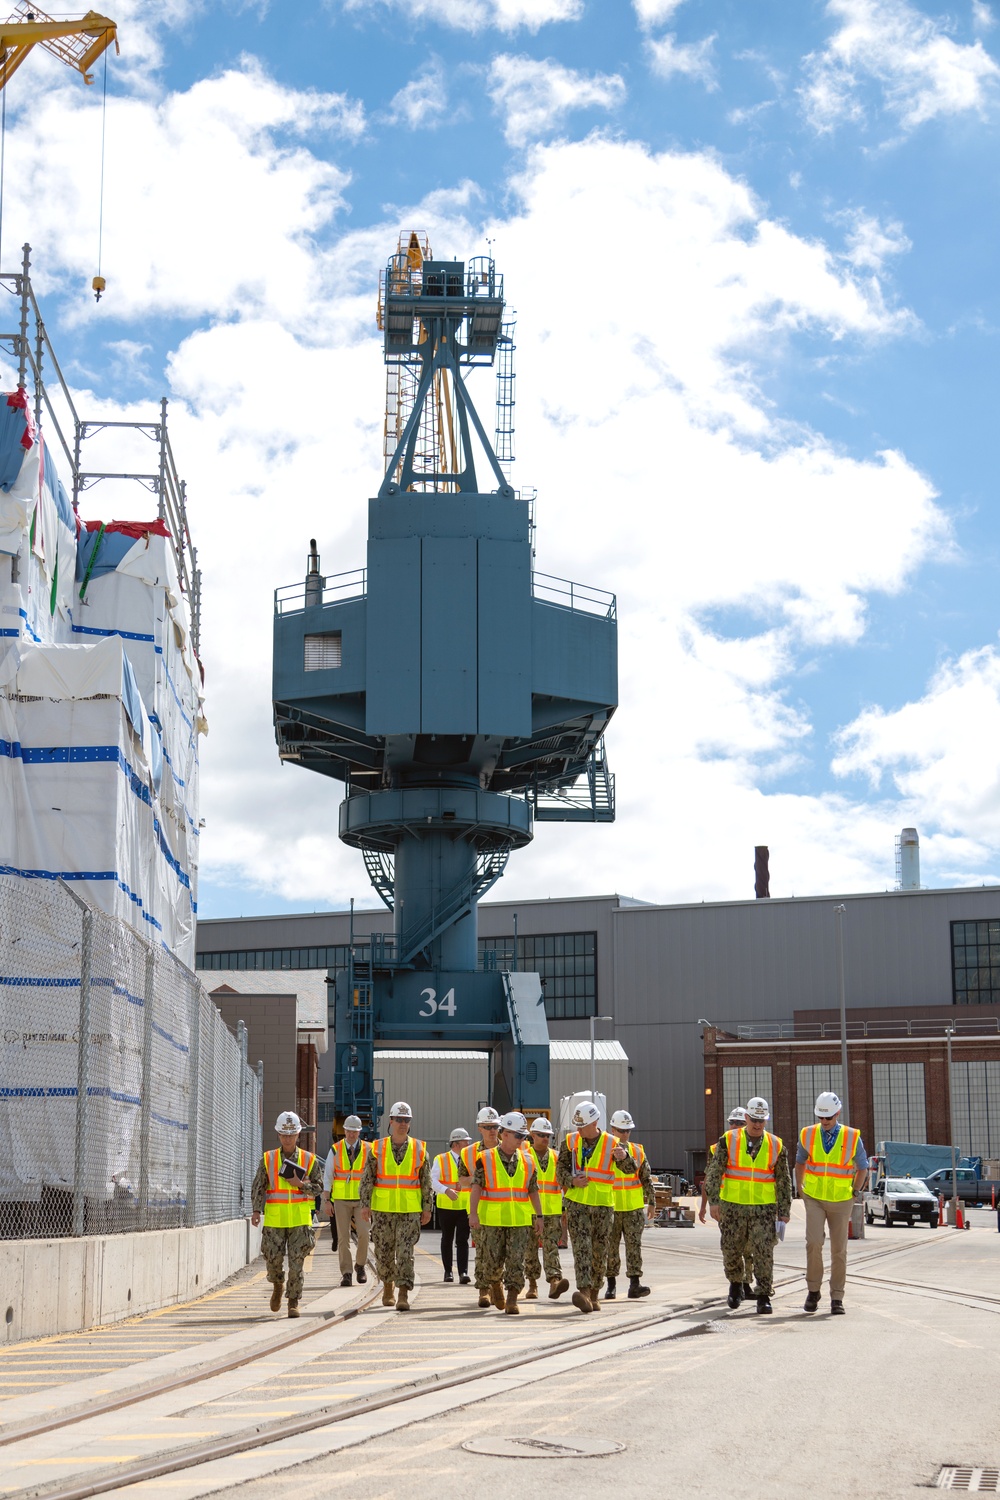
x,y
32,353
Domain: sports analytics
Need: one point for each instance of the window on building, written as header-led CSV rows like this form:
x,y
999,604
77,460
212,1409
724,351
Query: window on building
x,y
331,958
975,1107
975,958
565,961
812,1079
741,1084
899,1107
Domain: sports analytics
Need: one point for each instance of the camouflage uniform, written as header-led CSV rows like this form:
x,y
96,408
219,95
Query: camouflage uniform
x,y
394,1236
628,1225
500,1249
551,1233
478,1270
589,1226
297,1242
748,1228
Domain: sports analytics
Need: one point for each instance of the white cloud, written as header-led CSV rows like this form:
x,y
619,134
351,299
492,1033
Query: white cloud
x,y
652,13
983,18
668,57
477,15
869,242
535,97
921,71
423,102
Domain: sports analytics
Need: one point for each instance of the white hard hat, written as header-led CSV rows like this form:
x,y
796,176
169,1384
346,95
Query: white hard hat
x,y
541,1126
401,1111
758,1109
622,1120
352,1123
737,1115
515,1121
487,1116
287,1122
458,1134
586,1113
826,1105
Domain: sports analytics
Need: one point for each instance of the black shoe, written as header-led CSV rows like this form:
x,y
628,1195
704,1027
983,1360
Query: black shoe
x,y
463,1280
609,1295
346,1280
735,1294
836,1308
747,1292
361,1274
764,1304
812,1302
448,1276
635,1290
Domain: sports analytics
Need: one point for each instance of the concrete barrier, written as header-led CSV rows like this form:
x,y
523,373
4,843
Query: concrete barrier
x,y
63,1286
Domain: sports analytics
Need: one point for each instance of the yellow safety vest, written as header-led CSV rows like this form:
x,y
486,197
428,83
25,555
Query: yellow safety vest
x,y
628,1188
397,1184
449,1171
599,1170
288,1203
750,1179
469,1156
345,1185
504,1199
829,1174
549,1191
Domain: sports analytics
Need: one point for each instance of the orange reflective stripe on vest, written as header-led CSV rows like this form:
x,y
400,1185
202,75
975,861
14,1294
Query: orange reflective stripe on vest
x,y
345,1185
749,1179
628,1188
288,1204
397,1184
599,1170
503,1200
829,1175
549,1191
449,1171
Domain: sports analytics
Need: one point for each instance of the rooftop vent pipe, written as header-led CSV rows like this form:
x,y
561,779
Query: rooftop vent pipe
x,y
761,874
908,860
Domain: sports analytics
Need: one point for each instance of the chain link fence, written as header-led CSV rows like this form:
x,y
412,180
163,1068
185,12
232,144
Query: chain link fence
x,y
125,1101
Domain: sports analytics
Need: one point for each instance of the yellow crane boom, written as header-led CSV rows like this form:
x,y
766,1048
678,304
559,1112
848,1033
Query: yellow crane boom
x,y
78,42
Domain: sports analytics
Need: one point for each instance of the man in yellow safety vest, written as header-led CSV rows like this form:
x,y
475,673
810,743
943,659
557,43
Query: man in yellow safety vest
x,y
342,1197
635,1204
585,1172
488,1122
831,1165
749,1189
504,1208
550,1197
396,1200
284,1190
736,1117
452,1204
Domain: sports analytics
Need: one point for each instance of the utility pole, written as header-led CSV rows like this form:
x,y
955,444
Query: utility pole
x,y
845,1086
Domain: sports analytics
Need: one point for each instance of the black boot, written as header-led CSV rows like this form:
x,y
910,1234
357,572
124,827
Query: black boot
x,y
836,1307
361,1275
747,1291
635,1290
609,1295
735,1294
345,1280
764,1303
812,1302
448,1276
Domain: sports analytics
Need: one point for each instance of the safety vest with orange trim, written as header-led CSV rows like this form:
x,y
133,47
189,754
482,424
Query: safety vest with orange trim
x,y
829,1175
750,1179
598,1169
449,1171
470,1155
345,1184
397,1183
628,1189
503,1200
549,1191
288,1203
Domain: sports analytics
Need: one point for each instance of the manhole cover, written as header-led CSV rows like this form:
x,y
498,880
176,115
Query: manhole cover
x,y
966,1477
542,1447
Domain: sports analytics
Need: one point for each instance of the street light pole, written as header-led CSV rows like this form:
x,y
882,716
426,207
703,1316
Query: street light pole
x,y
593,1056
949,1032
845,1084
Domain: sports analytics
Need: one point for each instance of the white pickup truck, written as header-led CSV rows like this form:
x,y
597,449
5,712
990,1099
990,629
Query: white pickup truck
x,y
902,1200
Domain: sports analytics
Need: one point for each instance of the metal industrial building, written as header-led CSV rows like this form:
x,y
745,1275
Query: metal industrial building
x,y
660,971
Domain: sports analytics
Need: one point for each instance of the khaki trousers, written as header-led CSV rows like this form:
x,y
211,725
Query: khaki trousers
x,y
346,1210
819,1214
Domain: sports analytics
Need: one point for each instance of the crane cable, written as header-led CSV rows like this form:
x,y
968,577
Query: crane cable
x,y
98,282
3,153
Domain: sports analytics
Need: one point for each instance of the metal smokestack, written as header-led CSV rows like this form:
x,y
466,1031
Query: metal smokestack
x,y
315,582
908,860
761,874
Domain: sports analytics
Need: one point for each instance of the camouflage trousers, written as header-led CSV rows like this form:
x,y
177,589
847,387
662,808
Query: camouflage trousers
x,y
627,1224
551,1230
748,1241
393,1239
298,1242
500,1254
589,1228
479,1280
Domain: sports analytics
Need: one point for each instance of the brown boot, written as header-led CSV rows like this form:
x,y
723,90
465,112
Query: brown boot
x,y
403,1300
388,1295
531,1295
581,1300
496,1295
557,1286
277,1292
293,1309
595,1298
484,1298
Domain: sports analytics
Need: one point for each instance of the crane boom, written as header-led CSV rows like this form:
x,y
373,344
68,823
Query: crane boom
x,y
78,42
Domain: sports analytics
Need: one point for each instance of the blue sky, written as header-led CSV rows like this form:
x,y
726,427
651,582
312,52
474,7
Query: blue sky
x,y
752,251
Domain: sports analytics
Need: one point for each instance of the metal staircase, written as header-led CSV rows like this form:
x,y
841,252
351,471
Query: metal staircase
x,y
454,905
590,799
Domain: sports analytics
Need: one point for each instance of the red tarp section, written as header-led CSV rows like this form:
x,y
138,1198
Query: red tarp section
x,y
136,529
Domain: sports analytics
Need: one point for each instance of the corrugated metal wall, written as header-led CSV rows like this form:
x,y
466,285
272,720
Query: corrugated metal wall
x,y
442,1089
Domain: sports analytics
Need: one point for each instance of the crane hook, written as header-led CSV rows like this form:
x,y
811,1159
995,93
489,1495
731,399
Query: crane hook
x,y
98,285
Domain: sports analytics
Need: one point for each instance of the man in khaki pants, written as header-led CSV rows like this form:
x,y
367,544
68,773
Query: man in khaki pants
x,y
342,1195
831,1165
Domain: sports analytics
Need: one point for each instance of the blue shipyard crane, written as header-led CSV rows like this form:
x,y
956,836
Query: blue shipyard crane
x,y
460,697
